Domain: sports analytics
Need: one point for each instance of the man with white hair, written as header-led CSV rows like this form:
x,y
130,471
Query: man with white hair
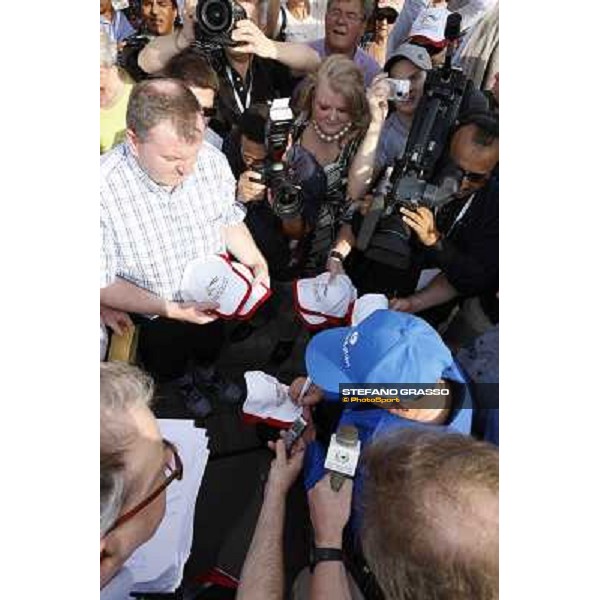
x,y
136,467
345,22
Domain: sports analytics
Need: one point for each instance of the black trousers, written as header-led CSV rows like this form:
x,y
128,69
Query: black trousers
x,y
166,346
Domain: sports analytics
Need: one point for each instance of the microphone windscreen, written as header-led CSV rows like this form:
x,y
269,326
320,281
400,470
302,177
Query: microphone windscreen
x,y
452,30
347,435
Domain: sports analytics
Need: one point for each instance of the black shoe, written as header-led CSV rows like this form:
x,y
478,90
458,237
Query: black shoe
x,y
208,378
242,331
281,352
195,399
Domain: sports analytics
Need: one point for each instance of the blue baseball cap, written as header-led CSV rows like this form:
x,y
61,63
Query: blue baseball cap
x,y
387,347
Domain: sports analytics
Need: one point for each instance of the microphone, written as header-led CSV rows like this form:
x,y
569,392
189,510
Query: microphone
x,y
452,34
342,455
452,30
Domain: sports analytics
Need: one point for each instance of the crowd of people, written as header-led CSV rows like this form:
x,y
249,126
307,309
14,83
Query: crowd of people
x,y
186,174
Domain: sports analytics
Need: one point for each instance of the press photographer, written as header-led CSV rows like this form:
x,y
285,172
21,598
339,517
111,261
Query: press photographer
x,y
157,18
251,67
440,209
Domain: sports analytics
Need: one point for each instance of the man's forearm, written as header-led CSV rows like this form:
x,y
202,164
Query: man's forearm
x,y
157,53
345,240
128,297
298,57
240,243
262,575
438,291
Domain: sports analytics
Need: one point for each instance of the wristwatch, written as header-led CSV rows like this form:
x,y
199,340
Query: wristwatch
x,y
318,555
336,255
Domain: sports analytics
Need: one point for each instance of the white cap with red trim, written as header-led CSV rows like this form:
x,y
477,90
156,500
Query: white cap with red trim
x,y
215,280
321,297
268,399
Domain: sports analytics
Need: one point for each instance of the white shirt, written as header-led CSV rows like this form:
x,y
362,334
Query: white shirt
x,y
301,30
149,233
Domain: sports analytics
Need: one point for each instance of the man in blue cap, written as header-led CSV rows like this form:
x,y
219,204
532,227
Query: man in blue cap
x,y
387,347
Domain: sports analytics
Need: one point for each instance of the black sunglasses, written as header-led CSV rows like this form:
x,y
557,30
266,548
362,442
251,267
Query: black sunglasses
x,y
474,177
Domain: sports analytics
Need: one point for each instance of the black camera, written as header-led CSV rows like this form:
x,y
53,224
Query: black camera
x,y
277,176
215,20
422,176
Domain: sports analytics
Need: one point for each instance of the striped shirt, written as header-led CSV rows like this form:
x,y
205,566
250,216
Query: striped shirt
x,y
149,232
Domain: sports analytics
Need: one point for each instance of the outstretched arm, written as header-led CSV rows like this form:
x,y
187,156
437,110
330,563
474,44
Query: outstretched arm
x,y
298,57
262,575
361,171
157,53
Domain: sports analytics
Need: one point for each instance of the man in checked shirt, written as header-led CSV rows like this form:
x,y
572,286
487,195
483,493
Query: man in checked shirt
x,y
166,199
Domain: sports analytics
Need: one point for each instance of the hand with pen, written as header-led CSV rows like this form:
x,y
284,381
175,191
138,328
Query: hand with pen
x,y
305,393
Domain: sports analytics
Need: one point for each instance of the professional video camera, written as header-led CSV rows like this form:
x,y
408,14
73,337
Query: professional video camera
x,y
215,20
422,176
276,175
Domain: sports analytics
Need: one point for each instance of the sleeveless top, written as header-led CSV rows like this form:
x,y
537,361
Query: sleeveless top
x,y
330,207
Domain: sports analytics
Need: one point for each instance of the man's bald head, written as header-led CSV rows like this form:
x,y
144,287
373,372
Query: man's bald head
x,y
155,101
430,522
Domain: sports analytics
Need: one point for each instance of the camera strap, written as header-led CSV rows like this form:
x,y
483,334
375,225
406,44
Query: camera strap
x,y
236,95
461,214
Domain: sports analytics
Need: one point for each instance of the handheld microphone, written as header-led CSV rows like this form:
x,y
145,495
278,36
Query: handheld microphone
x,y
452,34
342,455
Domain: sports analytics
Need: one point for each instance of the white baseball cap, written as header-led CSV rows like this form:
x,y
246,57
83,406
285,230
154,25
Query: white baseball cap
x,y
367,305
215,280
268,400
321,297
259,292
430,24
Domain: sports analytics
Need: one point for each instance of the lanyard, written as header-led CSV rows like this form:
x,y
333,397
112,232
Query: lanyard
x,y
236,96
461,214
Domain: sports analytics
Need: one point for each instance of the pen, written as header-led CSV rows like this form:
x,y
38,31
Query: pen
x,y
304,390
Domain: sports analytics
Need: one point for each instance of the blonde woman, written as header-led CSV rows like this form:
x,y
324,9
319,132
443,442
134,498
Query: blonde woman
x,y
335,139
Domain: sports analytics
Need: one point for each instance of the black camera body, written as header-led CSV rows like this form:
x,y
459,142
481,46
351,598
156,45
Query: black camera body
x,y
215,20
277,176
422,176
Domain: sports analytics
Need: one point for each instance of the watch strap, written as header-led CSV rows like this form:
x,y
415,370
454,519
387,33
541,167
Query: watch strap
x,y
325,554
336,255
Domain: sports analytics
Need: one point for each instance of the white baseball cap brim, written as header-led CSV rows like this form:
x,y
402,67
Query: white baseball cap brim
x,y
259,293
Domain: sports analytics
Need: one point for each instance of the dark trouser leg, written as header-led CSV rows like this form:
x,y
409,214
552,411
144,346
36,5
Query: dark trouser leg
x,y
166,345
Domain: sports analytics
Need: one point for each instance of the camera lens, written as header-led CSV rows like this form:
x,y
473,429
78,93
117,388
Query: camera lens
x,y
216,16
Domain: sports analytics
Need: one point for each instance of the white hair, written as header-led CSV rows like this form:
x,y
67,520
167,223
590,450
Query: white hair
x,y
108,50
121,388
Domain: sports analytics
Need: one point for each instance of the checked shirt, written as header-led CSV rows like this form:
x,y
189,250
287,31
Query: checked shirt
x,y
150,233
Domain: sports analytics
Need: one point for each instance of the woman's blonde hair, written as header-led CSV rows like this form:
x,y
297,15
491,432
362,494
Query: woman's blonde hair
x,y
345,78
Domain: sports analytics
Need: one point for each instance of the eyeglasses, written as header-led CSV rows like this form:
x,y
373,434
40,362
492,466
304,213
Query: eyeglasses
x,y
351,17
173,471
473,177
